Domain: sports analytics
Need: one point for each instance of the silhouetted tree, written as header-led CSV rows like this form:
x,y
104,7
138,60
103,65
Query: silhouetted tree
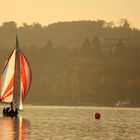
x,y
96,46
126,25
86,44
9,26
49,44
119,48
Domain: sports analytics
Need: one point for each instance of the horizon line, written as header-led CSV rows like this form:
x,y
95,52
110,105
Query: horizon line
x,y
62,21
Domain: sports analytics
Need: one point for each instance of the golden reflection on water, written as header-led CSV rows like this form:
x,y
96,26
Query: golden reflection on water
x,y
14,128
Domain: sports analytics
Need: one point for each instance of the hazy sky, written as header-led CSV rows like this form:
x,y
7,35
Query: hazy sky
x,y
50,11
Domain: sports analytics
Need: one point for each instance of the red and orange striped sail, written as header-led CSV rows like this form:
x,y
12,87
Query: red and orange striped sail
x,y
15,78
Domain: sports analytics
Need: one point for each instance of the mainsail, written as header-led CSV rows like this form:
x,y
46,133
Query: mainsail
x,y
16,78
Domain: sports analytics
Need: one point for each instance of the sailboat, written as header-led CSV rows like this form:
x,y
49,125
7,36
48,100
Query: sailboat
x,y
15,79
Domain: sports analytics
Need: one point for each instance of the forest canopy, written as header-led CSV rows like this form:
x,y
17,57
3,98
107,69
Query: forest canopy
x,y
79,62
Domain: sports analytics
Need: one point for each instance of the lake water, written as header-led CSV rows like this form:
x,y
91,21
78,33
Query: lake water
x,y
71,123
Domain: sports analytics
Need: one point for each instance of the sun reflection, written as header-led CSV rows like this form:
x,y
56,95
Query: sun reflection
x,y
16,128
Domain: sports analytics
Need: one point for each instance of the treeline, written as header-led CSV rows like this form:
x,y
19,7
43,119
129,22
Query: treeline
x,y
84,70
83,76
68,34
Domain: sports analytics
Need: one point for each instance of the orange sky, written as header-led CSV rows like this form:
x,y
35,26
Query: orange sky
x,y
50,11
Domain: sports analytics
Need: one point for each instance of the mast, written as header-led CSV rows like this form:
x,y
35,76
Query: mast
x,y
16,88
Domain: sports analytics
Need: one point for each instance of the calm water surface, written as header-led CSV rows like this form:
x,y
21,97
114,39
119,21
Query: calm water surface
x,y
71,123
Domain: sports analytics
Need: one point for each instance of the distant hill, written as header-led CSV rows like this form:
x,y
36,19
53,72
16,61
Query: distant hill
x,y
66,34
79,62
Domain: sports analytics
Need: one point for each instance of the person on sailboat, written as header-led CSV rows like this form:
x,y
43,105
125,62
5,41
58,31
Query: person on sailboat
x,y
11,105
9,111
12,111
6,111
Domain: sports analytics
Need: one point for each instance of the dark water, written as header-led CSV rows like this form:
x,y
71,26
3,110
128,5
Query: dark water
x,y
72,123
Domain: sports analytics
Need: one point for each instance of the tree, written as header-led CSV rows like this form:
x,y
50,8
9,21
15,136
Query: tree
x,y
96,46
49,44
119,48
86,44
124,23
